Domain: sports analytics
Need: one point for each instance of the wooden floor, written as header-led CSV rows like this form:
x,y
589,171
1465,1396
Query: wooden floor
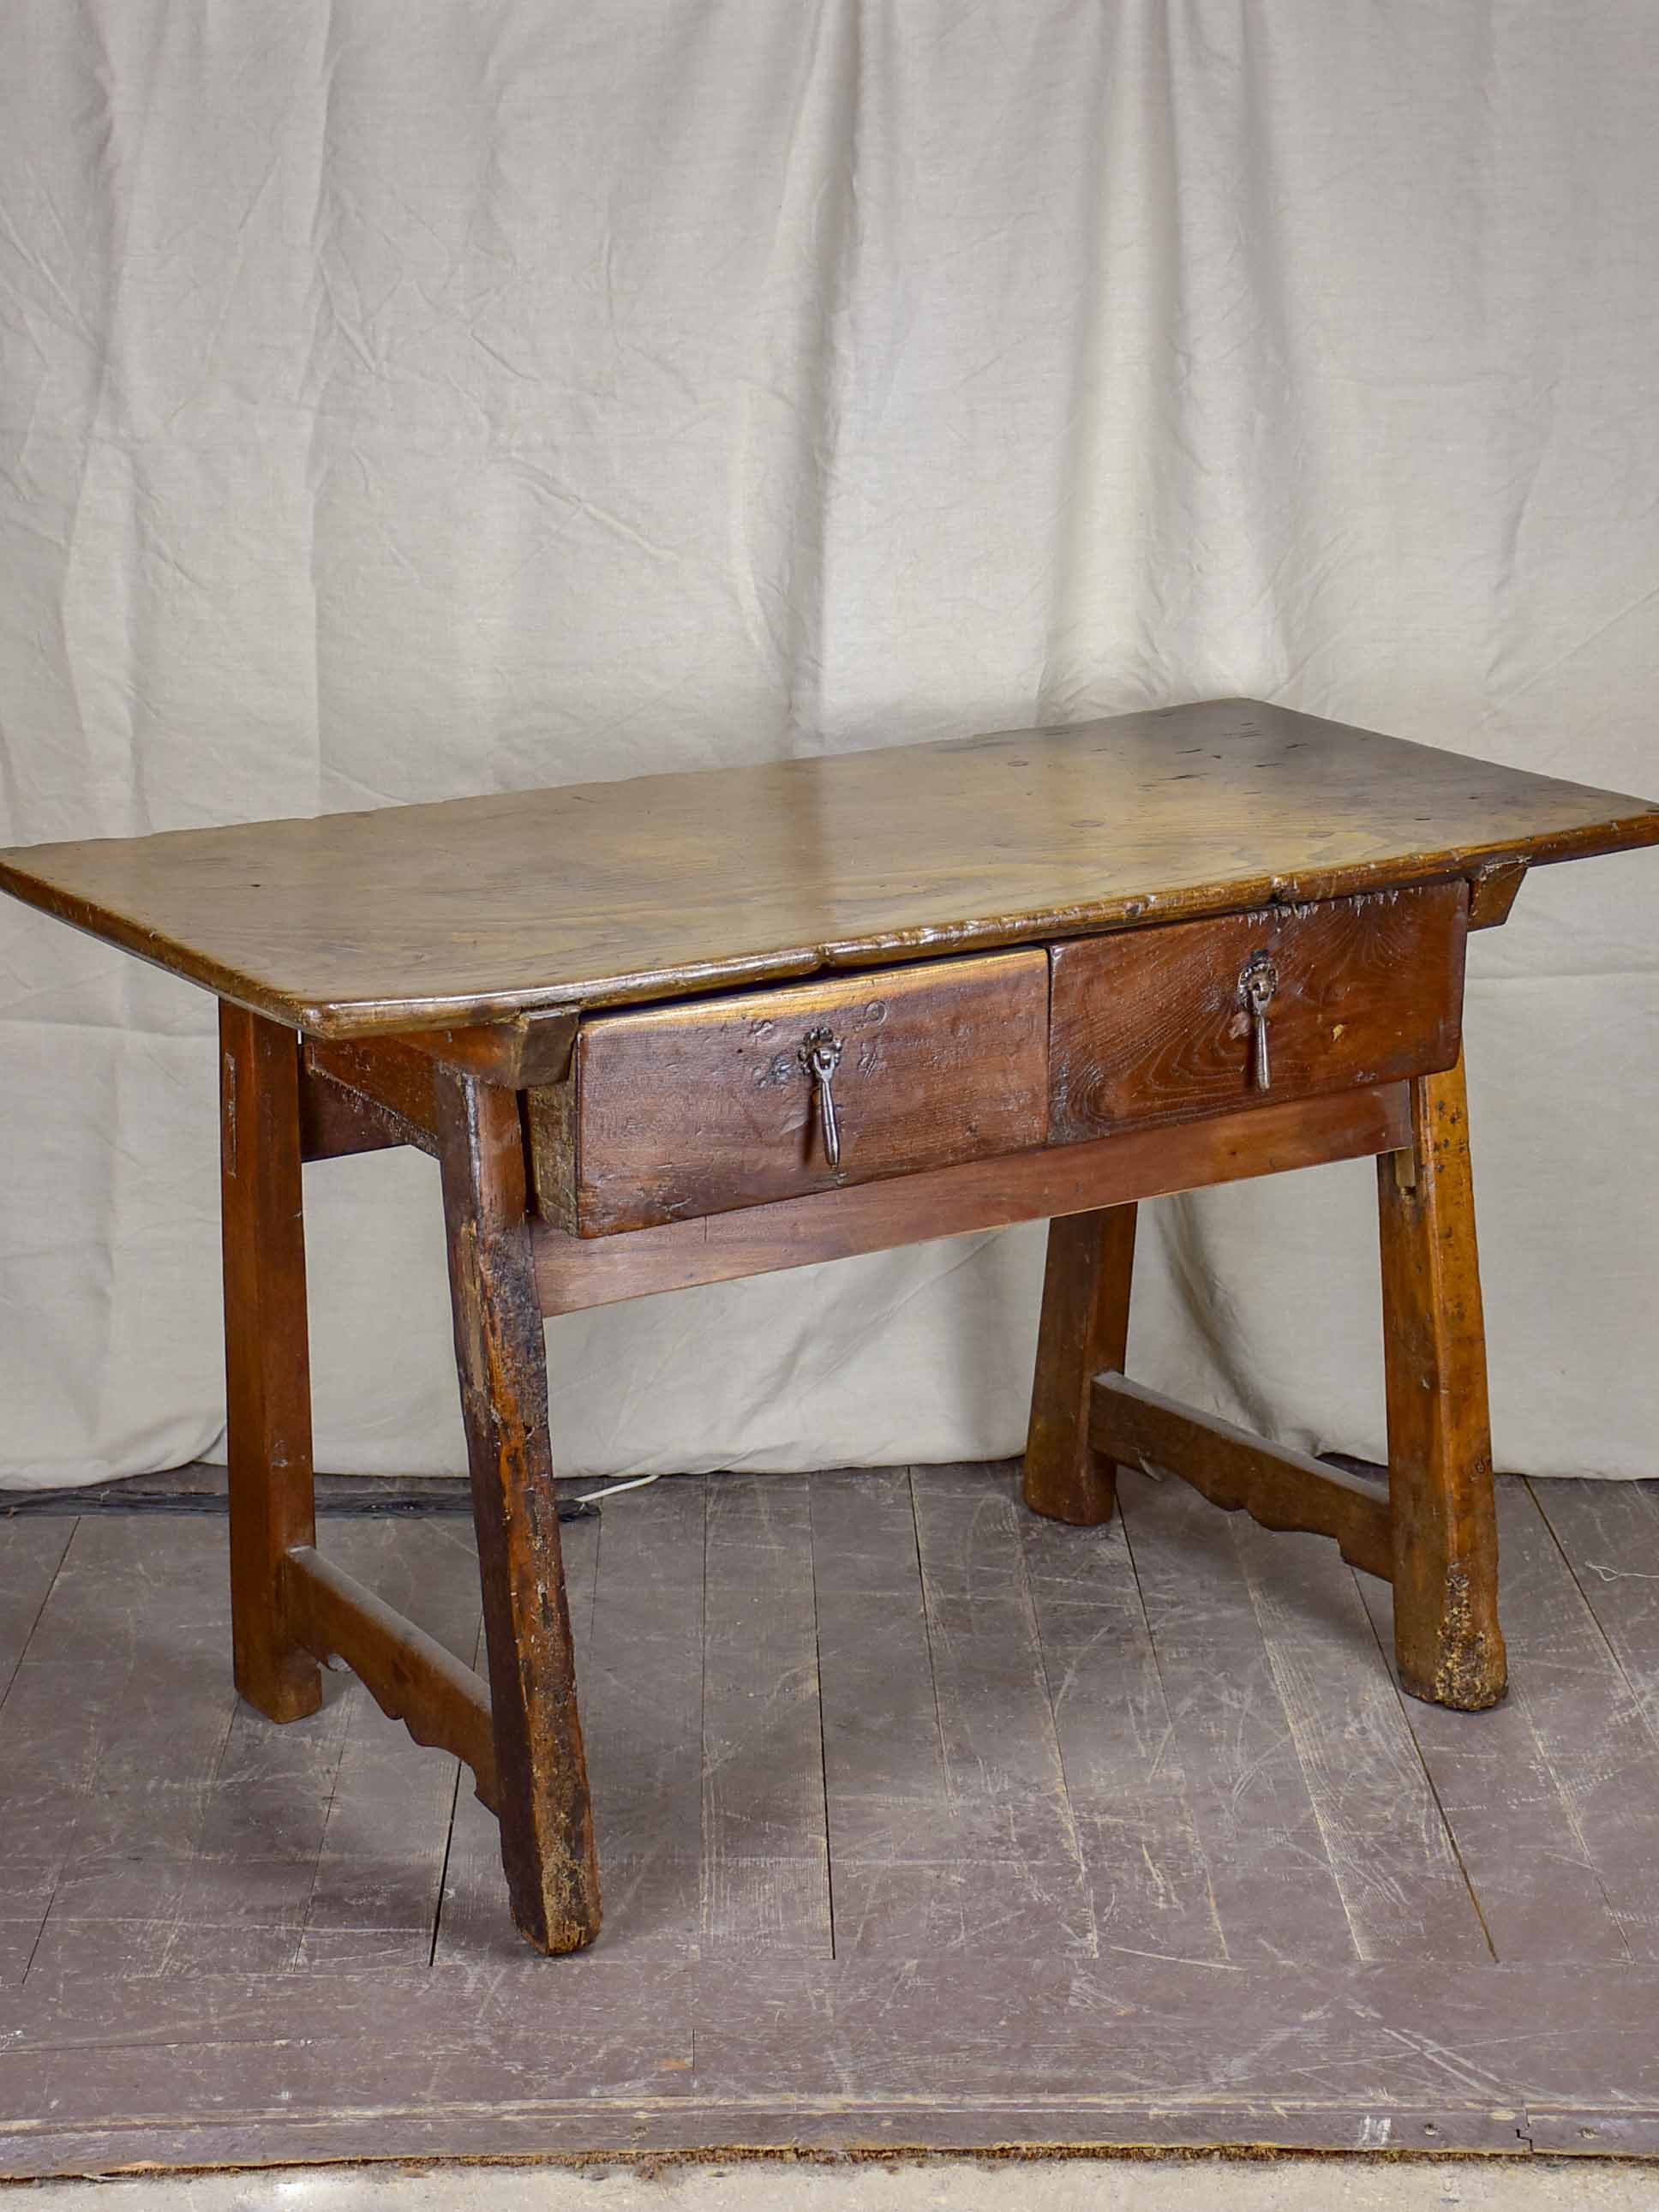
x,y
922,1821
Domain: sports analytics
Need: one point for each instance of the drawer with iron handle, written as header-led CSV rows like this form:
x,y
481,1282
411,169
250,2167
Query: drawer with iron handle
x,y
711,1104
1189,1017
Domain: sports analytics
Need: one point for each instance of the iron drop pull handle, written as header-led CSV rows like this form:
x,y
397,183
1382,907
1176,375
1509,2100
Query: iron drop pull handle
x,y
820,1055
1258,980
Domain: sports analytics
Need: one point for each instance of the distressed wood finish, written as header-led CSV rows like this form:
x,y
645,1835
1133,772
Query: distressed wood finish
x,y
400,1084
267,1357
522,1050
687,1111
1085,1327
1280,1488
1493,889
1447,1639
547,1827
453,970
412,1678
573,1272
1151,1025
666,886
335,1123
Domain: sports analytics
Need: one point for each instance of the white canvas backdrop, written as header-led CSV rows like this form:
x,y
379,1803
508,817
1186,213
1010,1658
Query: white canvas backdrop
x,y
399,402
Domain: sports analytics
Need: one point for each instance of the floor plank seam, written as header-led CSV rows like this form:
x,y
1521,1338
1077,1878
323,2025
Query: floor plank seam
x,y
1073,1832
1200,1843
17,1668
1306,1765
449,1832
338,1767
927,1634
1412,1738
824,1750
1518,1692
706,1920
46,1598
1638,1697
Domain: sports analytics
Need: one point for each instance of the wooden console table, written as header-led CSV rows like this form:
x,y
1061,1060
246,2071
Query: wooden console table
x,y
691,1027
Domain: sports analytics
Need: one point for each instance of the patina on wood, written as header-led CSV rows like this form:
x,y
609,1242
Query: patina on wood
x,y
1085,1327
412,1678
1155,1025
578,1272
267,1357
1447,1639
1281,1489
688,1110
450,967
546,1821
459,913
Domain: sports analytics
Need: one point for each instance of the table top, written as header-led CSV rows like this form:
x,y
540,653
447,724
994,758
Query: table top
x,y
661,886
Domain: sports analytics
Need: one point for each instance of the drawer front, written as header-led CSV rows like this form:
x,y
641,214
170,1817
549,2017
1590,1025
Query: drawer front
x,y
705,1107
1155,1025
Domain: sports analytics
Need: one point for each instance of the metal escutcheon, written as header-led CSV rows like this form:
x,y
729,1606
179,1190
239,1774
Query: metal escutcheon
x,y
1258,980
820,1055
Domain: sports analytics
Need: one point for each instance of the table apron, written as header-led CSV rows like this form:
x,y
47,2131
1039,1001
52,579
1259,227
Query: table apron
x,y
575,1273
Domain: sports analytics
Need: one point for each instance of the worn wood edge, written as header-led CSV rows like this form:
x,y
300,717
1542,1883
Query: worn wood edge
x,y
979,933
158,2071
341,1018
575,1273
523,1052
443,1704
334,1020
1244,894
1492,891
566,2131
1279,1488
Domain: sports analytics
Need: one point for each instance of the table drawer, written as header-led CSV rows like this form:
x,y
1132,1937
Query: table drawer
x,y
1155,1025
709,1105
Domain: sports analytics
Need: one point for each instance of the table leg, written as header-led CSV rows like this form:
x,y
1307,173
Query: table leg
x,y
547,1828
1447,1639
267,1357
1085,1327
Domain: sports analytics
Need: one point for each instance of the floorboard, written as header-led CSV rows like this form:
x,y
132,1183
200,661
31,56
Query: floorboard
x,y
1149,1881
1276,1891
922,1822
1400,1879
375,1896
893,1838
1550,1797
1014,1880
641,1697
765,1839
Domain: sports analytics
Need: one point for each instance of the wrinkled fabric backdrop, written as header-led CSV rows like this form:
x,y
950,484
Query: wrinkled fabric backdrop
x,y
400,402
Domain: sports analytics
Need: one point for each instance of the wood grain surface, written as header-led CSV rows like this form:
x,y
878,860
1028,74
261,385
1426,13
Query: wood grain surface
x,y
664,886
1150,1025
696,1110
267,1354
1084,1326
540,1774
1446,1639
1281,1489
576,1272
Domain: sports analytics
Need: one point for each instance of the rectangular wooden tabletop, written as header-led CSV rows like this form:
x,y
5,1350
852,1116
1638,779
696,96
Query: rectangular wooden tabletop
x,y
664,885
